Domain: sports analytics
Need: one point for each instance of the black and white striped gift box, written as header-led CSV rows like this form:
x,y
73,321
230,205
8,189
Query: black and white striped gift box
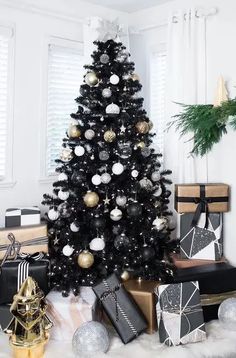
x,y
22,216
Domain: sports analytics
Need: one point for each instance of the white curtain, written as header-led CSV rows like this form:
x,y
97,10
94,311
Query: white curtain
x,y
186,83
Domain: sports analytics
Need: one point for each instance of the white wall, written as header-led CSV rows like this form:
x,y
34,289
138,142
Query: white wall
x,y
221,59
33,25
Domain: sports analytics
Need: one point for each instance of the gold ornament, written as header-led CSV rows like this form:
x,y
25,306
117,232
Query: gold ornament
x,y
125,276
91,79
74,131
66,154
91,199
150,124
85,259
109,136
29,326
140,145
135,77
142,127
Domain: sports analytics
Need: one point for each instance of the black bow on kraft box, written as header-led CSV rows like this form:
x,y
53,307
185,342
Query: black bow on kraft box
x,y
125,315
179,314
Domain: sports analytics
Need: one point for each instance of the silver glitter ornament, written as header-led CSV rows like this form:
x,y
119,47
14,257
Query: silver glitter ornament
x,y
106,93
146,184
124,150
160,223
145,152
64,210
112,109
155,176
90,339
227,313
116,214
121,200
89,134
104,58
105,178
122,56
103,155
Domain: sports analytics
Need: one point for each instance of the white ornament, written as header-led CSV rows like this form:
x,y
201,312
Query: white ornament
x,y
74,226
96,179
105,178
62,177
117,168
121,200
158,191
116,214
155,176
79,150
63,195
160,223
106,93
97,244
53,214
89,134
114,79
67,250
112,109
227,314
134,173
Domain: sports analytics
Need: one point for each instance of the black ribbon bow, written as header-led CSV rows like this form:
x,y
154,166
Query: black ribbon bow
x,y
202,207
111,292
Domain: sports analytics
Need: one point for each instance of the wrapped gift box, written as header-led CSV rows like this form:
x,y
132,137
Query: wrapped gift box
x,y
68,313
179,313
28,239
5,316
22,216
122,310
189,196
143,294
198,242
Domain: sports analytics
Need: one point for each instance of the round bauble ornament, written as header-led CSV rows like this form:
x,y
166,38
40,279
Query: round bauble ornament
x,y
89,134
134,173
74,226
97,244
227,313
91,79
160,223
146,151
78,177
90,340
142,127
62,177
114,79
122,56
116,214
124,150
145,184
125,276
74,131
117,229
63,195
112,109
91,199
98,222
140,145
66,155
85,259
158,192
67,250
106,93
53,214
103,155
79,150
105,178
121,200
147,253
96,179
117,168
155,176
121,242
64,210
104,58
135,77
109,136
134,210
150,124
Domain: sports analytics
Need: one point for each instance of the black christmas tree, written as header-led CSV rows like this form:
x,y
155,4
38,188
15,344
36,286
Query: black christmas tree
x,y
109,212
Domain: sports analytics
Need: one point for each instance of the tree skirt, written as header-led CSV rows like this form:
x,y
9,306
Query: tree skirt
x,y
220,343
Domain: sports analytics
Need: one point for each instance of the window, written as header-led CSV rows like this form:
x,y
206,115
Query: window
x,y
65,74
157,95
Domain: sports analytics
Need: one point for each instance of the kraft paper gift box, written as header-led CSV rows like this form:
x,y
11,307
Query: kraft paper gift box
x,y
180,263
22,216
179,313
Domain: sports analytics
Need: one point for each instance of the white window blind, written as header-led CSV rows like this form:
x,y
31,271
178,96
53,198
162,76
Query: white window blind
x,y
65,74
4,97
157,96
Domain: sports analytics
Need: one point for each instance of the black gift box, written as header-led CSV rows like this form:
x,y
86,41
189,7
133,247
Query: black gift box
x,y
14,272
5,316
120,307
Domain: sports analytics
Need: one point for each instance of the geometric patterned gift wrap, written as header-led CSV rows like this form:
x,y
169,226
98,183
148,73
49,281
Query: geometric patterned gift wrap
x,y
179,314
22,216
198,242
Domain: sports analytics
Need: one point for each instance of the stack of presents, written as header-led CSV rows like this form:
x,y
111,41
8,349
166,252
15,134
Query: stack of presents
x,y
177,310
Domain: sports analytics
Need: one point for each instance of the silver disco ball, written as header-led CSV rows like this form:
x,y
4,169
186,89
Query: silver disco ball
x,y
227,313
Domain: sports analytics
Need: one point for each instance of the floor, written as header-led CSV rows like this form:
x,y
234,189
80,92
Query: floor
x,y
220,343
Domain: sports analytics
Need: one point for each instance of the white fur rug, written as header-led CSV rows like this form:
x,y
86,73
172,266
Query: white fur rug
x,y
220,343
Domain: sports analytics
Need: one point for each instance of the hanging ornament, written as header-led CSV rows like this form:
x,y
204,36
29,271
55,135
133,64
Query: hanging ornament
x,y
91,199
67,250
155,176
53,214
85,259
74,226
134,210
158,192
96,179
64,210
150,124
79,150
135,77
160,223
74,131
121,200
106,200
105,178
122,56
106,93
97,244
89,134
147,253
146,151
104,58
142,127
103,155
66,155
124,150
125,276
140,145
116,214
114,79
91,79
121,242
122,129
146,184
98,222
63,195
134,173
78,177
109,136
62,177
117,168
112,109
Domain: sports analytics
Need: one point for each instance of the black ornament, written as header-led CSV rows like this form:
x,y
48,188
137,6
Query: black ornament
x,y
121,242
134,210
148,253
78,177
98,222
